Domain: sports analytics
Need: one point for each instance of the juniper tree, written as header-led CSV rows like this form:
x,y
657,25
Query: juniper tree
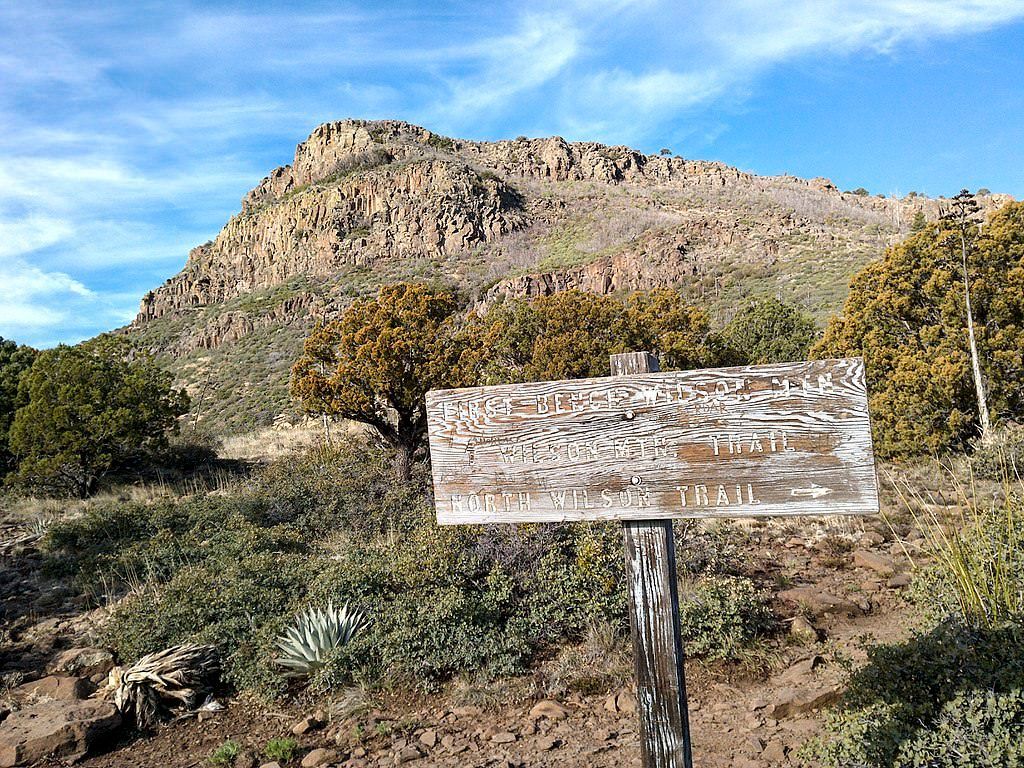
x,y
907,315
90,409
375,364
15,359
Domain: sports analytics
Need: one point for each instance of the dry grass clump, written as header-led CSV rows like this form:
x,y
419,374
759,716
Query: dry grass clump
x,y
978,547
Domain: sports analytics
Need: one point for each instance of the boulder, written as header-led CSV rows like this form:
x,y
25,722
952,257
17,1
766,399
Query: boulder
x,y
803,631
874,561
63,729
549,709
775,752
82,662
58,687
795,701
818,602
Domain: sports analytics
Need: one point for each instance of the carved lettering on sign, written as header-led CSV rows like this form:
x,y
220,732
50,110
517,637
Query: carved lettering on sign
x,y
784,439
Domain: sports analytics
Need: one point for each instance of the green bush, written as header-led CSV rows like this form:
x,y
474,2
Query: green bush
x,y
343,488
951,695
769,330
449,600
709,548
946,698
333,525
1001,456
225,754
88,410
722,615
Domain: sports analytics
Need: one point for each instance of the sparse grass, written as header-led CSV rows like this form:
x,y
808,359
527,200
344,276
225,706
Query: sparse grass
x,y
283,750
225,754
978,548
268,443
601,663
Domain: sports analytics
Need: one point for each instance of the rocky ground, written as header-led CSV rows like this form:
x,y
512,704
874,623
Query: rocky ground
x,y
838,583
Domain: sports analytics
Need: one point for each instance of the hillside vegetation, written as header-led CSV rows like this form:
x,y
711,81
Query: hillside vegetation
x,y
366,204
318,576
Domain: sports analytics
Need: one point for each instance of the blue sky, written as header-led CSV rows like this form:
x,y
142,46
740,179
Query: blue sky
x,y
129,131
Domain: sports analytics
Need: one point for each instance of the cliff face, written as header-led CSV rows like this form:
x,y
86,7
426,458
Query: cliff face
x,y
366,203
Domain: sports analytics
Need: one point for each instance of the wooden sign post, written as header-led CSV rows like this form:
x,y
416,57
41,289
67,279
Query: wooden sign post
x,y
645,447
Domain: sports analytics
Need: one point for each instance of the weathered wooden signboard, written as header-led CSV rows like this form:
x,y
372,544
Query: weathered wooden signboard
x,y
787,439
644,447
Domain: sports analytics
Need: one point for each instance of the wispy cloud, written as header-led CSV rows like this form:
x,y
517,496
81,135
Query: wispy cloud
x,y
491,73
697,55
128,134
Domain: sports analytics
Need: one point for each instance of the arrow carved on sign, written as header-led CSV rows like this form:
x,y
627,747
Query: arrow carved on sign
x,y
813,491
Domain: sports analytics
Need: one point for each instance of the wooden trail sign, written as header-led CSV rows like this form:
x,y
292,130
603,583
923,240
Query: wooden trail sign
x,y
644,447
786,439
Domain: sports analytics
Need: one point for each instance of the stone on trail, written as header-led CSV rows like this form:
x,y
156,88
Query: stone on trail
x,y
899,581
874,561
429,738
623,701
548,743
795,701
58,688
407,755
307,724
818,602
64,729
872,538
319,757
775,752
803,631
549,709
82,662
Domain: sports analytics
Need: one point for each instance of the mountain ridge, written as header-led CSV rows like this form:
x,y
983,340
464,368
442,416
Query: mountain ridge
x,y
369,202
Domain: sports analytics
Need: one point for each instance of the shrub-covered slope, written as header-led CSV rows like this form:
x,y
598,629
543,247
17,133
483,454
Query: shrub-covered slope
x,y
369,203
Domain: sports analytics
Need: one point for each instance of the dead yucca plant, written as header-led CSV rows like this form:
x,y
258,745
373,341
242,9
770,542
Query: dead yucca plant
x,y
978,547
159,683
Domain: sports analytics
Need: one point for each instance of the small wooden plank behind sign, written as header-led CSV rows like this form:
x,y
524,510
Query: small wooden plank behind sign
x,y
781,439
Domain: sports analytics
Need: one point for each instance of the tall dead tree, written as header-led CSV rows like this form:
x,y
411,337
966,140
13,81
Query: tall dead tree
x,y
962,217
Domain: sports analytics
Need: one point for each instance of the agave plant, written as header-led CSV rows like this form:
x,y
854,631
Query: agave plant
x,y
175,678
315,634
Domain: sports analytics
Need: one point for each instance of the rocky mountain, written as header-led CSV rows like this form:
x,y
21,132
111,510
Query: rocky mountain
x,y
370,202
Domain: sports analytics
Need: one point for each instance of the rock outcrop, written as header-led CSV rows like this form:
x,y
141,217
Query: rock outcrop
x,y
425,208
58,729
364,203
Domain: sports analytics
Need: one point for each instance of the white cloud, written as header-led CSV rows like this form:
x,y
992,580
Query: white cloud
x,y
31,299
505,66
764,32
127,135
30,233
699,52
